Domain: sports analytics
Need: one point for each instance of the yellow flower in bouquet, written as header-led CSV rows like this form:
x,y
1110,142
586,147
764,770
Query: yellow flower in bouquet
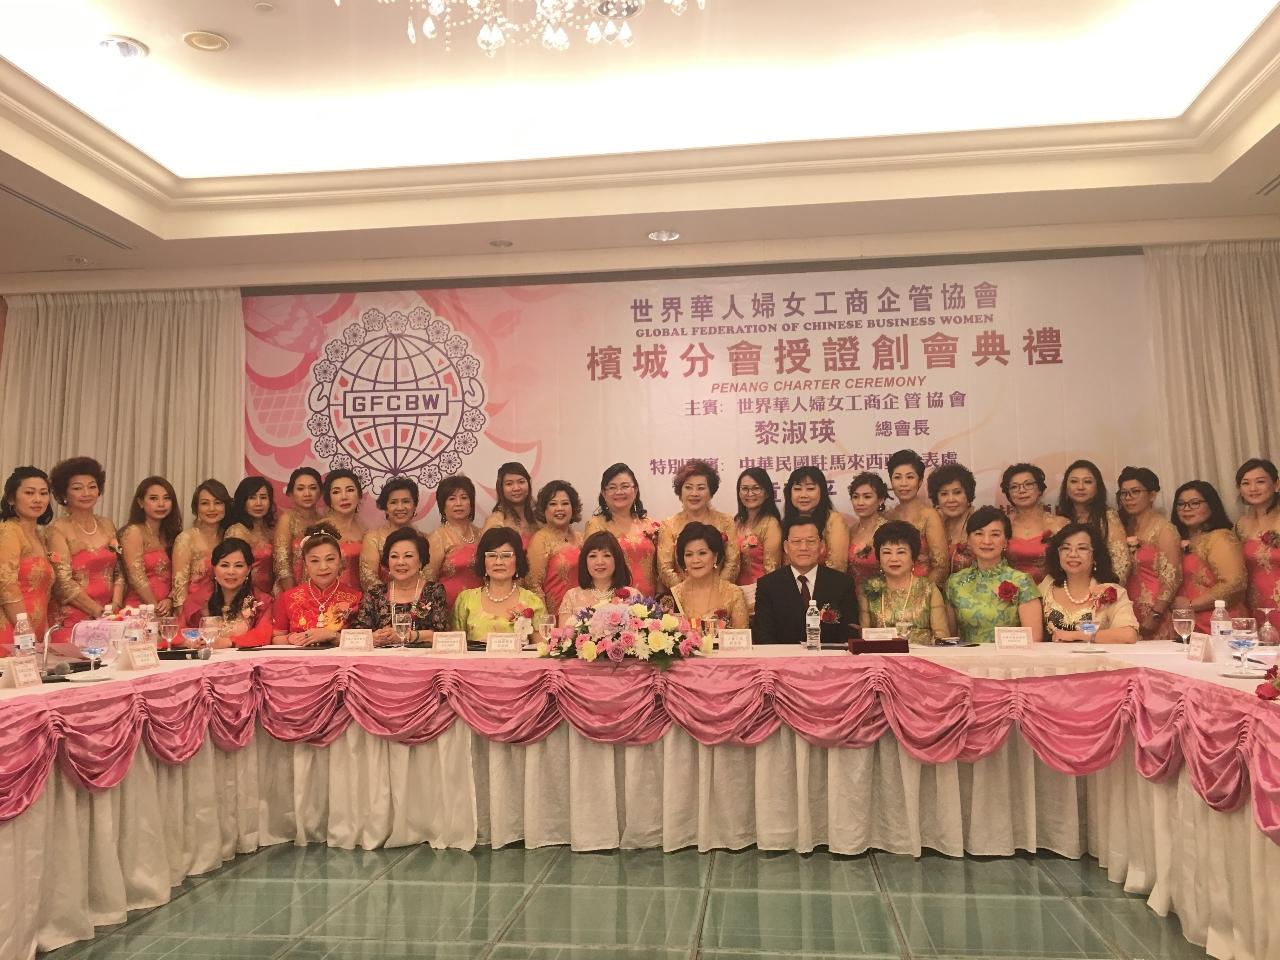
x,y
670,621
587,651
639,610
661,642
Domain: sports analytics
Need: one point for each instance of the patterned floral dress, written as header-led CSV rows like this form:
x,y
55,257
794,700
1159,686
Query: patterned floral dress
x,y
974,595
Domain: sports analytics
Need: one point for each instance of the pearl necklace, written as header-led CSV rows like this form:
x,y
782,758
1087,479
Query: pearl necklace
x,y
1067,590
322,603
87,533
462,538
391,596
510,593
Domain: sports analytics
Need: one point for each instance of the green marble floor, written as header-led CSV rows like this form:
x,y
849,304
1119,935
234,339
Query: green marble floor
x,y
551,904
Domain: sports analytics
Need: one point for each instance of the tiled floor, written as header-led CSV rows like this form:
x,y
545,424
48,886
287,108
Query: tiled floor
x,y
551,904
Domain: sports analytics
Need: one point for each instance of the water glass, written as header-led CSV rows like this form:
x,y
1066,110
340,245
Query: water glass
x,y
1268,635
1244,637
401,627
710,627
210,627
546,626
168,627
1184,622
1088,628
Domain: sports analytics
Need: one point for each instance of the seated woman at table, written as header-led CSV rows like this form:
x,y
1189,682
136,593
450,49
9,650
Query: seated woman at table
x,y
88,568
899,596
991,593
1081,585
695,484
27,583
758,527
702,592
603,575
1155,549
951,491
868,493
906,476
407,592
1083,498
1212,557
253,520
554,549
316,611
805,492
245,611
1031,522
494,606
146,545
398,502
513,505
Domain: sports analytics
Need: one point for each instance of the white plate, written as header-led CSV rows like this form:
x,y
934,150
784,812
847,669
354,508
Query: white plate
x,y
1089,650
90,676
1239,675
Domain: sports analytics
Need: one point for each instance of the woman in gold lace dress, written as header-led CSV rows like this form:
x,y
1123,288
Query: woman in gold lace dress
x,y
1083,498
26,566
805,492
398,502
253,520
193,550
1212,557
88,568
906,476
695,484
146,543
701,552
1155,551
898,596
514,502
303,491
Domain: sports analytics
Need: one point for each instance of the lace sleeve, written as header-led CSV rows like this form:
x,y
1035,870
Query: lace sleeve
x,y
667,571
732,557
836,538
182,555
135,566
371,560
66,589
282,554
10,558
939,560
772,544
1168,566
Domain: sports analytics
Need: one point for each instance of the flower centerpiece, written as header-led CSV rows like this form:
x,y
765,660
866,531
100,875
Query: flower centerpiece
x,y
623,627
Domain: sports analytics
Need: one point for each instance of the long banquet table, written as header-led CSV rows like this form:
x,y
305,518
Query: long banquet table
x,y
111,793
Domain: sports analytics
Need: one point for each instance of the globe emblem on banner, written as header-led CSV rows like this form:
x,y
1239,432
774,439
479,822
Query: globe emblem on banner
x,y
397,395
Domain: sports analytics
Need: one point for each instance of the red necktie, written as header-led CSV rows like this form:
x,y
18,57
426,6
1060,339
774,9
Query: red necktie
x,y
805,595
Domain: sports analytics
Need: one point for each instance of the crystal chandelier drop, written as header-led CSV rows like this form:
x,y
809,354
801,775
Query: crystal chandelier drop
x,y
498,23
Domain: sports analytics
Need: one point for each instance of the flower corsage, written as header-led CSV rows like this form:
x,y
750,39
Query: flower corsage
x,y
1269,689
1007,591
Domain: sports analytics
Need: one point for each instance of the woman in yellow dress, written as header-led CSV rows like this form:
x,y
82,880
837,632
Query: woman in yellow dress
x,y
906,476
1213,566
398,502
703,591
495,605
695,484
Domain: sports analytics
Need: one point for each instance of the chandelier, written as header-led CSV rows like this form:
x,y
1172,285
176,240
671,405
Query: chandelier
x,y
517,22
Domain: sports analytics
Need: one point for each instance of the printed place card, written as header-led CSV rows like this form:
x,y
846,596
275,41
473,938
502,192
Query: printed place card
x,y
20,672
139,655
732,639
1012,638
879,633
355,640
1200,648
454,641
504,643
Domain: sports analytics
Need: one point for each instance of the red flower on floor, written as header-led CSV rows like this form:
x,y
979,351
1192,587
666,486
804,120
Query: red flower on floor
x,y
1007,591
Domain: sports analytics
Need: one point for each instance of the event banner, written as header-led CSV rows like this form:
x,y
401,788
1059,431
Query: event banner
x,y
986,364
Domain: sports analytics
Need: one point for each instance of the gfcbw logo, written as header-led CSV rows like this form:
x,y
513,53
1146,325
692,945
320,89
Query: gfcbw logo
x,y
397,395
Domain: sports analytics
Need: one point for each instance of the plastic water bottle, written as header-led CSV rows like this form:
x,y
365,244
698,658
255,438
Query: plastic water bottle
x,y
812,627
24,638
1220,620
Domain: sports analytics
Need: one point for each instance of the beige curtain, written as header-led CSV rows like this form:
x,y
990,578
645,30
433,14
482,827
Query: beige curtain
x,y
144,382
1216,320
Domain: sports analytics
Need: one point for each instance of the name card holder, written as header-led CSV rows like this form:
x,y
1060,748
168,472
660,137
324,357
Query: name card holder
x,y
1200,648
452,642
20,672
734,641
879,633
357,641
503,644
138,655
1013,638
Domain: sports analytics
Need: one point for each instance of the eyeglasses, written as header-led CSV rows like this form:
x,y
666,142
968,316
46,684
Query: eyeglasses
x,y
1190,504
1130,494
1025,485
620,488
500,556
750,489
807,542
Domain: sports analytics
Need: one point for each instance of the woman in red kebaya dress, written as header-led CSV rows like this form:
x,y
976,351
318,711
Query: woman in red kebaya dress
x,y
303,491
1259,484
146,543
1083,498
758,526
1156,550
1023,485
867,493
514,506
951,490
192,568
453,546
621,512
88,568
317,610
342,493
1212,558
253,520
805,492
245,611
553,550
906,477
26,566
398,502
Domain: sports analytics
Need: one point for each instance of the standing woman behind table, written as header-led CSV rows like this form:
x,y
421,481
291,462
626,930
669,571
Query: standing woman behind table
x,y
253,520
553,550
621,512
868,494
514,506
1083,498
146,543
951,490
695,484
407,590
1155,550
805,492
453,546
991,593
192,566
906,476
603,575
244,610
1080,586
492,607
1033,525
342,493
1212,556
898,595
317,610
758,528
398,502
700,552
1259,529
303,491
88,568
26,565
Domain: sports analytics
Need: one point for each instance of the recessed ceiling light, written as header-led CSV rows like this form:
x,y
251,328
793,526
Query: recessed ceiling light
x,y
501,244
126,48
78,261
206,41
664,236
264,6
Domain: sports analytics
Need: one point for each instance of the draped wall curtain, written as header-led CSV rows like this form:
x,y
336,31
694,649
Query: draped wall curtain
x,y
145,382
1216,315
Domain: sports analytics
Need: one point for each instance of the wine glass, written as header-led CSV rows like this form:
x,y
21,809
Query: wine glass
x,y
546,626
1244,637
1184,622
210,628
401,626
168,627
1268,635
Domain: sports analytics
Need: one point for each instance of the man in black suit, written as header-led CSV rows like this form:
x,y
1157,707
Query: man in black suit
x,y
783,596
